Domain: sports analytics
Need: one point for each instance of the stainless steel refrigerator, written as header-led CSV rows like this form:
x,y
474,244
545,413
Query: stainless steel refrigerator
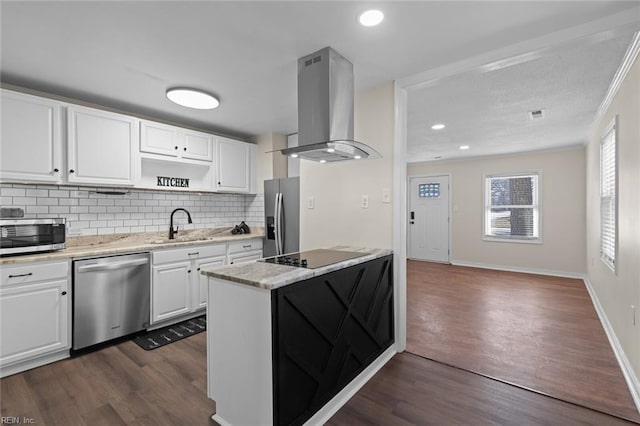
x,y
282,216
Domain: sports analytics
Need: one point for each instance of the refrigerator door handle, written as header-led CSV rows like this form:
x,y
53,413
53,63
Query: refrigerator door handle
x,y
281,224
276,223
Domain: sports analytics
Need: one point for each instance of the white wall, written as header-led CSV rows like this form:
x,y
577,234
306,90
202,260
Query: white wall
x,y
337,218
562,207
269,165
617,292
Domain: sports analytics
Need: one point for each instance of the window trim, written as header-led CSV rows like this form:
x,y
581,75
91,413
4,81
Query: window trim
x,y
486,208
611,127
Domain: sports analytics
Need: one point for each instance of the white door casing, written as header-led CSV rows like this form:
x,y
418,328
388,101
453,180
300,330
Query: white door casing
x,y
429,213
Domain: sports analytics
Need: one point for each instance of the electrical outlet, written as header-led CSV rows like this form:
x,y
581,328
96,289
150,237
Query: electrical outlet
x,y
74,229
386,196
310,202
365,202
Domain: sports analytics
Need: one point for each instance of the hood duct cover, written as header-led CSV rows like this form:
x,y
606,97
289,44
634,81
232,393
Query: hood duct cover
x,y
325,110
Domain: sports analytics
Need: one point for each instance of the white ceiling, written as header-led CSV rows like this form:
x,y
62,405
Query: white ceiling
x,y
124,55
488,108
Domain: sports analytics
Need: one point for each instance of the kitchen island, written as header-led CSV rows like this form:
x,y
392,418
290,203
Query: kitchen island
x,y
289,345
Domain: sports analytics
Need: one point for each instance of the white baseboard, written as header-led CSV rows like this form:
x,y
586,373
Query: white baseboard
x,y
627,371
337,402
549,272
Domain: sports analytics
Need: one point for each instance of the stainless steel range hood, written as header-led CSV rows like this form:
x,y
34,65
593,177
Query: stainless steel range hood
x,y
325,110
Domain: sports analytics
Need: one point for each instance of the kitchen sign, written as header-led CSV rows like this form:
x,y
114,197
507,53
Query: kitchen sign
x,y
172,182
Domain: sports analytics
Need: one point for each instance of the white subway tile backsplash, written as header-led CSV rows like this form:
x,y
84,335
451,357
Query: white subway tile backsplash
x,y
68,201
58,193
37,193
90,213
23,201
12,192
36,209
46,201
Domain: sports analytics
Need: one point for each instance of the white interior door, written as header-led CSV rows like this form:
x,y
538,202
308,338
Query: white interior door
x,y
429,218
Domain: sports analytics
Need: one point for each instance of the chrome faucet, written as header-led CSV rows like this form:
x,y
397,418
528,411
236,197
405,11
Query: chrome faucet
x,y
173,232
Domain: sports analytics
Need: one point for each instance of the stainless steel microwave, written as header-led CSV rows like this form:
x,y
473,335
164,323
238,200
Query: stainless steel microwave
x,y
20,236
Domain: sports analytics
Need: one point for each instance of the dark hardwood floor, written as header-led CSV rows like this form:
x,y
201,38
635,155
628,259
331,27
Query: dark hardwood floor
x,y
125,385
500,324
410,390
118,385
536,331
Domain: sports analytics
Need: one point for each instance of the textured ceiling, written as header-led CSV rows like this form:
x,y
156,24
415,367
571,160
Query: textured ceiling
x,y
488,108
124,55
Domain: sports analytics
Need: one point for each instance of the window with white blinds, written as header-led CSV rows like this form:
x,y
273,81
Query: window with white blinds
x,y
512,207
608,196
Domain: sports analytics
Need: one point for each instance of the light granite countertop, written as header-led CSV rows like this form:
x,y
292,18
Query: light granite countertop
x,y
270,276
105,245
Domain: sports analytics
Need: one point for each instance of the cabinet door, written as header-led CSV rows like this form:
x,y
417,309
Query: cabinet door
x,y
200,300
101,146
197,146
31,144
232,162
159,138
34,320
170,291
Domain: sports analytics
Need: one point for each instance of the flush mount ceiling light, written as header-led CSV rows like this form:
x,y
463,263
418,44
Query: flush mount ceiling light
x,y
323,161
438,126
371,18
357,157
192,98
463,147
294,155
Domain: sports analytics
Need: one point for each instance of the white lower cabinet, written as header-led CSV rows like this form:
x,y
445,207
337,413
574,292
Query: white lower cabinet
x,y
35,312
171,291
176,287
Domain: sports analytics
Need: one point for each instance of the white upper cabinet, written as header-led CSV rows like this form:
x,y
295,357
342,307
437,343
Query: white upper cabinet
x,y
197,145
172,141
235,161
31,142
102,146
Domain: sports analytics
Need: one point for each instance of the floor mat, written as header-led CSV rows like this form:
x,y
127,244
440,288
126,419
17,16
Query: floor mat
x,y
163,336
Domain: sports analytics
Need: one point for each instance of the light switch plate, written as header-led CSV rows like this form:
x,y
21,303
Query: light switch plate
x,y
386,195
310,202
365,202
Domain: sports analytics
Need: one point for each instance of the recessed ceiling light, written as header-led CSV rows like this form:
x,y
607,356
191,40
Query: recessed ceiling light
x,y
331,150
323,161
192,98
371,18
463,147
357,157
294,155
438,126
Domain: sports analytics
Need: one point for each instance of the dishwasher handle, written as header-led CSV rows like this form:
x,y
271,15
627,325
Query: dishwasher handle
x,y
110,266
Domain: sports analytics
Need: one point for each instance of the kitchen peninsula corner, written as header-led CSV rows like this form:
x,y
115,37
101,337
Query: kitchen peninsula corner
x,y
287,344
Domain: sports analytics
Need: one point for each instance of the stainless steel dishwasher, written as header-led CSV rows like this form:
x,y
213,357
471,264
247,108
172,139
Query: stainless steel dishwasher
x,y
110,298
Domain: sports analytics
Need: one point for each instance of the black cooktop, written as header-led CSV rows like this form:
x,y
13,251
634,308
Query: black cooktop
x,y
313,258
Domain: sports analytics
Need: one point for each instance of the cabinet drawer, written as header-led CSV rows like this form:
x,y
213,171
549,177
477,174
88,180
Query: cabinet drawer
x,y
193,252
245,246
33,272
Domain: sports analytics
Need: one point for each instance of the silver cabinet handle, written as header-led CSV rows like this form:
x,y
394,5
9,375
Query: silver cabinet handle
x,y
110,266
247,246
193,254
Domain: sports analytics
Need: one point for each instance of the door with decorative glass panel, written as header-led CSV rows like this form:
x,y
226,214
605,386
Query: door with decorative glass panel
x,y
429,218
